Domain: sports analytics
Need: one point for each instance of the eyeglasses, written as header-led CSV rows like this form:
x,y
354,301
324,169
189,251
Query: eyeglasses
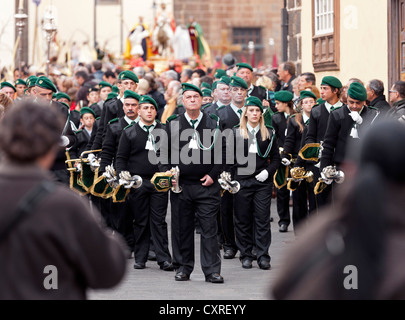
x,y
392,91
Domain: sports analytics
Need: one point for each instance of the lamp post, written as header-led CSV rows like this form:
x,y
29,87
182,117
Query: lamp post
x,y
251,47
50,29
20,19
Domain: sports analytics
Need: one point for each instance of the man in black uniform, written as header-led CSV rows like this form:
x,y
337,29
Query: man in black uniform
x,y
222,94
127,80
120,218
245,71
83,135
230,117
347,124
43,91
136,149
198,180
330,91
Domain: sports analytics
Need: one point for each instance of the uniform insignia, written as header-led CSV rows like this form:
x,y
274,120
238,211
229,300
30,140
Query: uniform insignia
x,y
128,126
374,108
293,116
113,120
40,82
172,117
214,116
221,107
78,131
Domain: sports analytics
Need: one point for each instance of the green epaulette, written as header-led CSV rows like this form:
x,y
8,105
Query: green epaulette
x,y
172,117
73,110
214,116
78,131
293,116
113,120
129,126
98,118
237,126
221,107
337,108
269,126
206,105
374,108
158,121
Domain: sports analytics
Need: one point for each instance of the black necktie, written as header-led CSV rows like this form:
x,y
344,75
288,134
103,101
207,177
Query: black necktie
x,y
147,128
240,112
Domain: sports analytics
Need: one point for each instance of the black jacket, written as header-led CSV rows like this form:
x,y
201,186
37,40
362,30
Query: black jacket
x,y
228,117
279,123
381,104
292,143
110,144
338,137
318,122
397,111
82,140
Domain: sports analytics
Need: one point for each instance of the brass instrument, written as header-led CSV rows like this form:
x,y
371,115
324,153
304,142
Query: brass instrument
x,y
331,173
299,174
176,176
226,183
163,182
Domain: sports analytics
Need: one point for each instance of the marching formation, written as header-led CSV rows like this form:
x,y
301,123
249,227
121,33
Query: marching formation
x,y
219,148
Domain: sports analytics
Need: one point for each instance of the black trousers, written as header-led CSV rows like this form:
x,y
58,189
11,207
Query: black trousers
x,y
226,221
149,210
300,205
122,220
283,205
252,218
203,202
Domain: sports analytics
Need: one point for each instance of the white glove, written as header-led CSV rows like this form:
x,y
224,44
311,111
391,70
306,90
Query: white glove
x,y
318,165
64,141
327,181
356,117
285,162
262,176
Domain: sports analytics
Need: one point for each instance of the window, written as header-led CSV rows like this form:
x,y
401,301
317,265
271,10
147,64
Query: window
x,y
326,35
243,36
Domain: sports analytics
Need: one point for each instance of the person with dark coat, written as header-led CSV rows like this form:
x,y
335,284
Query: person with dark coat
x,y
252,202
376,97
55,246
83,135
354,249
198,180
280,122
148,206
397,99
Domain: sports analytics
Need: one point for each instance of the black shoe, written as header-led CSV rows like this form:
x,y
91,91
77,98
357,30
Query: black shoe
x,y
214,278
229,254
152,256
283,228
139,265
166,266
181,276
264,265
247,264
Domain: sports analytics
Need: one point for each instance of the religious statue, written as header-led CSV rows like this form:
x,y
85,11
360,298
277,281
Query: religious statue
x,y
163,33
138,42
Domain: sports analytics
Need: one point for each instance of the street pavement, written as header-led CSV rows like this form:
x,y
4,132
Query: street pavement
x,y
152,283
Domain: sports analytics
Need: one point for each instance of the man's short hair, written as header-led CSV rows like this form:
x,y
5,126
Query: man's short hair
x,y
290,67
200,72
172,75
109,73
97,65
188,73
82,74
400,87
377,86
309,77
140,72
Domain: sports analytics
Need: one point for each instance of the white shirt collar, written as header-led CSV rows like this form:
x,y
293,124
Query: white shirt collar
x,y
256,129
305,117
235,108
129,121
198,119
329,106
142,125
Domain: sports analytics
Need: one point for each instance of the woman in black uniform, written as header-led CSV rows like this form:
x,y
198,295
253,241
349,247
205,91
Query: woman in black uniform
x,y
292,146
285,107
252,202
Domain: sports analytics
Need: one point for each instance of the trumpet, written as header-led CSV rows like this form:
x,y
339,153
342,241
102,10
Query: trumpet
x,y
129,181
91,159
299,174
176,176
330,174
227,184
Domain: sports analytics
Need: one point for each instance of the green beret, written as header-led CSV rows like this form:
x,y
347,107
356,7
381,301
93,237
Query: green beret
x,y
115,89
67,106
238,82
128,75
7,84
357,92
20,81
31,81
214,85
244,66
85,110
320,101
44,82
147,99
307,94
283,96
132,95
191,87
61,95
254,101
225,80
92,89
111,95
104,84
332,82
206,85
207,93
219,74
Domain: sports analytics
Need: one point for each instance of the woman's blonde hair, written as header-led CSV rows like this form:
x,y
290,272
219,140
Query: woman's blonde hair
x,y
265,82
244,130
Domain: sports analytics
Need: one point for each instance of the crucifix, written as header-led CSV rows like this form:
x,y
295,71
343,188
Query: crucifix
x,y
225,46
